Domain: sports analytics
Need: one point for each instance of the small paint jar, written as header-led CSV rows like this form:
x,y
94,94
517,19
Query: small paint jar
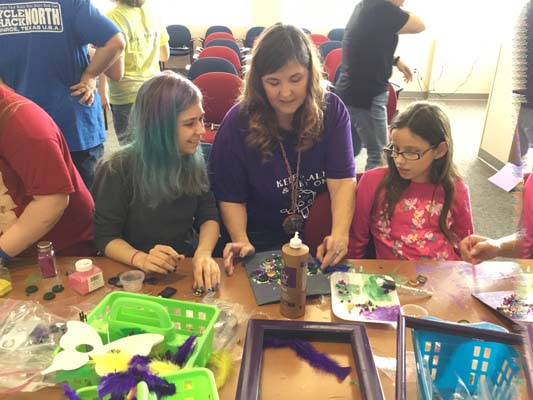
x,y
46,259
86,278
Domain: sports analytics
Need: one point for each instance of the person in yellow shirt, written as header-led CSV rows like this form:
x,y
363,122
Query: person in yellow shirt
x,y
146,45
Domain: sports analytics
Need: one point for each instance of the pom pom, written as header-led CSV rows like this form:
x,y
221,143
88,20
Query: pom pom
x,y
113,361
220,364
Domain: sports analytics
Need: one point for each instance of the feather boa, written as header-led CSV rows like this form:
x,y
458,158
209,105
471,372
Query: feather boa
x,y
306,351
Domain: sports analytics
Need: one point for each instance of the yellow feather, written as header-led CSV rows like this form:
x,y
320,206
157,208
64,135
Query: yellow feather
x,y
113,361
158,367
220,363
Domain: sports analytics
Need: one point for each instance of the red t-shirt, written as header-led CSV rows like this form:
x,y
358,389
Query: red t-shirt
x,y
35,161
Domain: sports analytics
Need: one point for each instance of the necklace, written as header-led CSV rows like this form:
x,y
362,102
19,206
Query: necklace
x,y
294,222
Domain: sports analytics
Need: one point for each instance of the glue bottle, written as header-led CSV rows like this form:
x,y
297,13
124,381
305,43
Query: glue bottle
x,y
293,278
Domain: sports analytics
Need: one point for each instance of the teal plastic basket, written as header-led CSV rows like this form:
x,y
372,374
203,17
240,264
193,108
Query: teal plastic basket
x,y
442,359
121,314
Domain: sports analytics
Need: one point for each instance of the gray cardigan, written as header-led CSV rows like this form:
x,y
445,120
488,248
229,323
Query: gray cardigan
x,y
175,223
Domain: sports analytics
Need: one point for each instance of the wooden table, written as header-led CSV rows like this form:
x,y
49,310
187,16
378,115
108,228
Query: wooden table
x,y
282,377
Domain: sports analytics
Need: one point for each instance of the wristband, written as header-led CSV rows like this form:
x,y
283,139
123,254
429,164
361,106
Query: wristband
x,y
396,59
4,256
133,256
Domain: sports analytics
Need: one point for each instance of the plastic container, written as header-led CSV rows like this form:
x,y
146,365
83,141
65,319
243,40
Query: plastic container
x,y
46,259
443,358
5,281
121,313
87,277
414,310
132,281
192,384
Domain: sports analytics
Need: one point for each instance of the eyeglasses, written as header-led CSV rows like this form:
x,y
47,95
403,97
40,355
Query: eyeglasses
x,y
408,155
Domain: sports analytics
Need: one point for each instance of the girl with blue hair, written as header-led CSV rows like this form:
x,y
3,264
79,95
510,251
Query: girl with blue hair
x,y
152,197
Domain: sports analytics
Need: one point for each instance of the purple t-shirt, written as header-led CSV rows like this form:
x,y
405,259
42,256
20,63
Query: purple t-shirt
x,y
238,174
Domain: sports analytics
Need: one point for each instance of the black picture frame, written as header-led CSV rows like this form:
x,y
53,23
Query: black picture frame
x,y
353,333
404,322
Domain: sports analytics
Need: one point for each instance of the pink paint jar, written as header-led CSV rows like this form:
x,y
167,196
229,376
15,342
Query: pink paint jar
x,y
86,278
46,259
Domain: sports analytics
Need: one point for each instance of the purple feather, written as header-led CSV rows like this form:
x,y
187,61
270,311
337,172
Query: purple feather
x,y
70,393
159,386
140,362
184,351
306,351
116,384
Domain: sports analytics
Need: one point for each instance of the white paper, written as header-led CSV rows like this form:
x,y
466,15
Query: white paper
x,y
507,177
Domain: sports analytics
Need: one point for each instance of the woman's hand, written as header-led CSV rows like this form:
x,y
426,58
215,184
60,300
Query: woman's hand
x,y
332,250
237,249
206,272
475,249
160,259
405,70
84,88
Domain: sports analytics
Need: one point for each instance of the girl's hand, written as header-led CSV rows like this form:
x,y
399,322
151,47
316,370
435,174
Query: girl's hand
x,y
206,272
160,259
332,250
475,249
238,249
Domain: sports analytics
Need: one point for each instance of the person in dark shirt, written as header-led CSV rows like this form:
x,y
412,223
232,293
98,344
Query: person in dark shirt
x,y
152,197
368,47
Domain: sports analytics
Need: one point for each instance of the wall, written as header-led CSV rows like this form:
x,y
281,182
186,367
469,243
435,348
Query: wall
x,y
456,53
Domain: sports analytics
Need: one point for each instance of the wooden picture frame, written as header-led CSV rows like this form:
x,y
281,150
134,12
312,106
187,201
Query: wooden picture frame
x,y
446,327
353,333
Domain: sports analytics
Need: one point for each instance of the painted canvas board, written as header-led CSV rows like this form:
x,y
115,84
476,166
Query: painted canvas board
x,y
508,303
264,271
359,297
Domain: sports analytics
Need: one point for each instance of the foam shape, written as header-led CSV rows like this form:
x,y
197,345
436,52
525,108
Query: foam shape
x,y
67,360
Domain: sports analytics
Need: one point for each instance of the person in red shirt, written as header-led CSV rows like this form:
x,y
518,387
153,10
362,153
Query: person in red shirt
x,y
42,196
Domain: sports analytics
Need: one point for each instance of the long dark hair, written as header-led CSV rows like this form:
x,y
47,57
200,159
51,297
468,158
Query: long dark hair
x,y
161,172
428,121
278,46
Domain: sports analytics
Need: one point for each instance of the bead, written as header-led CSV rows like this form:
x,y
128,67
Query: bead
x,y
49,296
58,288
31,289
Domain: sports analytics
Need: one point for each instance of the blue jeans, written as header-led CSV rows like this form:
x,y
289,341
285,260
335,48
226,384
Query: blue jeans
x,y
85,162
369,127
121,113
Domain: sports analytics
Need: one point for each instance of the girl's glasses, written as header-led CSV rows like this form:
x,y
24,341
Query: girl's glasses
x,y
408,155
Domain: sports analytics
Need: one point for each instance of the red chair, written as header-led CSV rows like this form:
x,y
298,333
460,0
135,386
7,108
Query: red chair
x,y
218,35
318,222
318,39
220,91
222,52
332,62
391,104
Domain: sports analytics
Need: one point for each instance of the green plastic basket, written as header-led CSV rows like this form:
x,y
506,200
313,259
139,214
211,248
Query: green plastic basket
x,y
192,384
91,393
121,314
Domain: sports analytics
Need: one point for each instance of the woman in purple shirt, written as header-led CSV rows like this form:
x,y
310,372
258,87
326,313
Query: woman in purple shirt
x,y
282,145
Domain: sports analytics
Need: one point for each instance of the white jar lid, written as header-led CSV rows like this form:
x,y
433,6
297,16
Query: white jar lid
x,y
83,265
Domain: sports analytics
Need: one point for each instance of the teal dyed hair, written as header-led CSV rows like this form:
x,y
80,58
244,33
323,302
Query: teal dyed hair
x,y
159,171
